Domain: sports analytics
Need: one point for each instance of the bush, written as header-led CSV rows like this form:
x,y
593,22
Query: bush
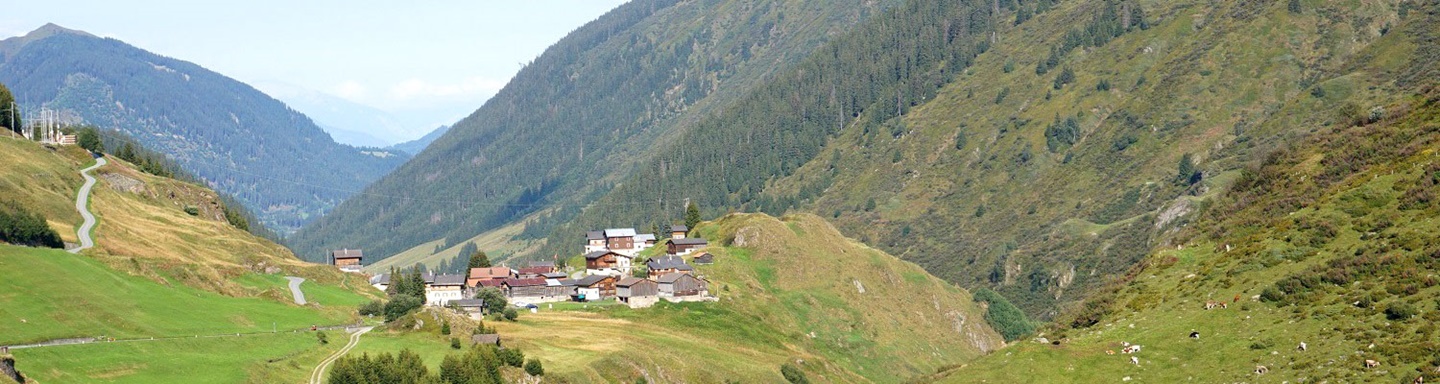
x,y
401,305
511,314
445,328
793,374
192,210
89,138
512,357
1005,317
19,226
454,343
372,308
534,368
324,338
1400,311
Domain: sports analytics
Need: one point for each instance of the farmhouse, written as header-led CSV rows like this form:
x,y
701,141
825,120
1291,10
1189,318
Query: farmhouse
x,y
531,288
666,265
473,307
444,288
637,292
620,240
480,275
644,241
678,231
349,260
594,241
595,287
559,288
681,285
685,245
607,263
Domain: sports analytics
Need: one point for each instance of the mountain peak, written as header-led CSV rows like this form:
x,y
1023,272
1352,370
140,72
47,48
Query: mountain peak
x,y
52,29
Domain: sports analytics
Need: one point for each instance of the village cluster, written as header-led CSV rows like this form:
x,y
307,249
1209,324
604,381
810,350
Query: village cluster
x,y
610,273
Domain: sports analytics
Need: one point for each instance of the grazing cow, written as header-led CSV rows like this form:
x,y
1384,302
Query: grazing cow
x,y
1302,346
1212,304
1371,363
1131,349
1194,335
1261,369
1418,380
1237,298
1134,360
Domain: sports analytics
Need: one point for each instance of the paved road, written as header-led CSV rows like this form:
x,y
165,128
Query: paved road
x,y
295,289
82,201
317,376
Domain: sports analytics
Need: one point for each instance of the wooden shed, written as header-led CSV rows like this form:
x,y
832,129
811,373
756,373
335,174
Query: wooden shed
x,y
636,287
681,284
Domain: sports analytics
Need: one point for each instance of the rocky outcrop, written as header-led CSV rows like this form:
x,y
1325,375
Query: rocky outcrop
x,y
7,367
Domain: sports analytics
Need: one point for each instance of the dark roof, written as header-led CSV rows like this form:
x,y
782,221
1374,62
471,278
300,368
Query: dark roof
x,y
629,281
620,232
428,277
567,282
468,303
534,270
671,277
488,283
590,280
554,275
704,258
534,281
449,280
597,255
346,253
690,241
668,262
595,235
383,278
679,228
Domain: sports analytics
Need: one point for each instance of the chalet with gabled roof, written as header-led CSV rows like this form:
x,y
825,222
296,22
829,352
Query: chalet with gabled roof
x,y
666,265
681,285
637,292
678,231
607,262
685,245
479,275
348,260
595,287
441,289
532,288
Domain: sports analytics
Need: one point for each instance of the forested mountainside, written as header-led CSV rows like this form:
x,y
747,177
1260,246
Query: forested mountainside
x,y
571,124
242,142
1046,164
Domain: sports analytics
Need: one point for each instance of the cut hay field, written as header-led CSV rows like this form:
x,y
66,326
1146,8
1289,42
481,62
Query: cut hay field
x,y
265,358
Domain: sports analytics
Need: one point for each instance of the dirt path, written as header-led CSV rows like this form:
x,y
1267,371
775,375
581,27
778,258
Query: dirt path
x,y
82,202
295,289
317,376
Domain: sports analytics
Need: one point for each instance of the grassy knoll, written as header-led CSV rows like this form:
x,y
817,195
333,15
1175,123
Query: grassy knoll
x,y
790,290
266,358
59,295
498,243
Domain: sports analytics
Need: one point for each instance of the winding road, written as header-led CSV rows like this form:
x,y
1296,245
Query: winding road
x,y
317,376
82,201
295,289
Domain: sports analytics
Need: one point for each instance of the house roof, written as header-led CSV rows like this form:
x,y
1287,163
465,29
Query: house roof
x,y
598,254
383,278
704,258
620,232
449,279
672,277
554,275
346,253
565,282
428,277
534,269
595,235
488,283
629,281
468,303
645,237
668,262
530,282
690,241
489,273
679,228
591,280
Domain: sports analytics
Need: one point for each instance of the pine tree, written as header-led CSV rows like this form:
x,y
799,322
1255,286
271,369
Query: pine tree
x,y
692,215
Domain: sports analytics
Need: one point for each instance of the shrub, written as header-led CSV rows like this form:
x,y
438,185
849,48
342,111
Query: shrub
x,y
512,357
445,328
1260,345
401,305
511,314
1400,311
192,210
1004,316
534,368
793,374
454,343
324,338
19,226
372,308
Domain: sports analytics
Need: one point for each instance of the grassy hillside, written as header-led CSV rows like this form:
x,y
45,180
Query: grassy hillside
x,y
1329,243
266,358
790,289
1042,190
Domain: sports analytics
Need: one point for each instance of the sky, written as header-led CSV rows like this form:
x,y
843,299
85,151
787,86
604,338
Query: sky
x,y
428,62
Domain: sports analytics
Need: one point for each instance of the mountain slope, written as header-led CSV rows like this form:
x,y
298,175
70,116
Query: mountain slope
x,y
585,112
1327,243
791,289
241,141
414,147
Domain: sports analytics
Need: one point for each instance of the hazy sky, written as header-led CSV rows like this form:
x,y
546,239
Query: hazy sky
x,y
411,58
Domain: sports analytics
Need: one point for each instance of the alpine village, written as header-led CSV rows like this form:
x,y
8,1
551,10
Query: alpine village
x,y
720,191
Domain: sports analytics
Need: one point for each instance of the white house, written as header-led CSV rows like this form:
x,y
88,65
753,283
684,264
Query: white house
x,y
444,289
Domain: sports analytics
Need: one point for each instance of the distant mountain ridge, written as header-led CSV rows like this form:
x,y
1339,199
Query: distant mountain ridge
x,y
414,147
274,159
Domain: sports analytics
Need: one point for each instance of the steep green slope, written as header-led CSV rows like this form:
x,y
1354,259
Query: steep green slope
x,y
275,160
790,289
1329,243
582,115
1050,161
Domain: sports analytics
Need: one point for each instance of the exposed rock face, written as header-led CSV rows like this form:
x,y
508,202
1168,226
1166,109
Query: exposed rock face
x,y
7,367
123,183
